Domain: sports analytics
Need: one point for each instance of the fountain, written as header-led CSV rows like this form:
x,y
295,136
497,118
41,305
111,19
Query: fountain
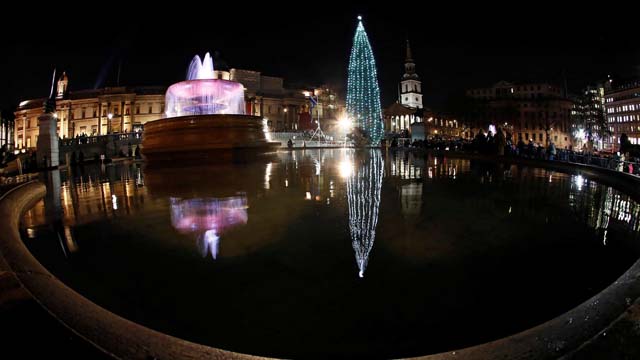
x,y
203,115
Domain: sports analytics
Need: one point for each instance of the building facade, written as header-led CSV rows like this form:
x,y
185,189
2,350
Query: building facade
x,y
410,92
622,110
408,110
90,112
588,118
6,131
127,109
537,112
446,127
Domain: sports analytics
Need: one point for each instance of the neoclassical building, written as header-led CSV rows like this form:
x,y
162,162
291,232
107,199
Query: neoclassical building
x,y
126,109
90,112
408,110
410,94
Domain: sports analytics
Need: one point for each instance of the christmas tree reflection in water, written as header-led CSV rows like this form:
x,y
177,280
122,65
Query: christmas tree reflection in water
x,y
208,218
363,195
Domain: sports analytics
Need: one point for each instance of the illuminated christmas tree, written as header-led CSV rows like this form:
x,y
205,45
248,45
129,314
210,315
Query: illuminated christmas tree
x,y
363,93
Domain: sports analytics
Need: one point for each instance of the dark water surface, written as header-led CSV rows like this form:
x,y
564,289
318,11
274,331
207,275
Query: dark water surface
x,y
334,253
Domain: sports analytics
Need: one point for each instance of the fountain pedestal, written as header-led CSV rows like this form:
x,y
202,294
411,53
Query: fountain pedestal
x,y
205,120
203,136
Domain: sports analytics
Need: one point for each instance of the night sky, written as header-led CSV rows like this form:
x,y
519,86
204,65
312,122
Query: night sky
x,y
454,49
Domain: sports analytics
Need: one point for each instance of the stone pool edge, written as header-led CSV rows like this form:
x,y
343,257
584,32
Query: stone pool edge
x,y
122,338
108,332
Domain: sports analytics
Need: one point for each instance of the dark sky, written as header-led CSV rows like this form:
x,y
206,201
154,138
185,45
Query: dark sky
x,y
454,48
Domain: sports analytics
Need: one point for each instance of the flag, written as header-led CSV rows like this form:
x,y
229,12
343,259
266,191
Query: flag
x,y
313,101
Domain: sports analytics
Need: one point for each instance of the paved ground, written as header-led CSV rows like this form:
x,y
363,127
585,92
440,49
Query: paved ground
x,y
620,341
29,332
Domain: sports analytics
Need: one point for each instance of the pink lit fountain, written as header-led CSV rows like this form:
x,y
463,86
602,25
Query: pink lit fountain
x,y
204,117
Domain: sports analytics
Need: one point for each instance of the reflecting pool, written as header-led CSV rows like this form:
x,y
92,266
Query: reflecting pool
x,y
334,253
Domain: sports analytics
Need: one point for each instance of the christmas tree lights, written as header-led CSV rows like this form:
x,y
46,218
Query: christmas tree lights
x,y
363,93
363,196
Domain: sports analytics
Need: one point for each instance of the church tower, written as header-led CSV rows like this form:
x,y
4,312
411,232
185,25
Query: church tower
x,y
410,93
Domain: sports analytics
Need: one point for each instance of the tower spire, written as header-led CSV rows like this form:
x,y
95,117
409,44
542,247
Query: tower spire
x,y
409,65
410,85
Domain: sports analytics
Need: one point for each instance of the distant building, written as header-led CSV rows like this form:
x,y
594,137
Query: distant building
x,y
536,112
6,131
444,126
410,94
408,110
126,109
588,117
90,112
622,108
399,118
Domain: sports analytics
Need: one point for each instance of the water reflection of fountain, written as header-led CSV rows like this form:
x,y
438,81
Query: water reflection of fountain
x,y
363,196
208,218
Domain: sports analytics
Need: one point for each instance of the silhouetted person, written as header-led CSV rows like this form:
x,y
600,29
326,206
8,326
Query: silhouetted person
x,y
520,146
500,141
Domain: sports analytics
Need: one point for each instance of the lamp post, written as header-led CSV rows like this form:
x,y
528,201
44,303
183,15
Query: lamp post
x,y
109,117
345,125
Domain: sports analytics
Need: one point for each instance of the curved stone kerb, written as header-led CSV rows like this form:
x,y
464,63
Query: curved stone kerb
x,y
108,332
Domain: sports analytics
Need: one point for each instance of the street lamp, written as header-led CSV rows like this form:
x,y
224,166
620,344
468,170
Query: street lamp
x,y
109,117
345,124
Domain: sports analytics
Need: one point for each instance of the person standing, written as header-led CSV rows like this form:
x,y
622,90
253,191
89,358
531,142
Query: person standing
x,y
552,151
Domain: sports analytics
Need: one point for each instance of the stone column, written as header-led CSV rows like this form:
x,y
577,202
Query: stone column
x,y
47,146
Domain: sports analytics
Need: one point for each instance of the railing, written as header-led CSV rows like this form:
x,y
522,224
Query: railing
x,y
134,137
10,182
613,162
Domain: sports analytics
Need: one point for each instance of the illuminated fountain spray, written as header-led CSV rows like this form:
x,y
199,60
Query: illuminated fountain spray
x,y
202,94
204,120
201,69
363,196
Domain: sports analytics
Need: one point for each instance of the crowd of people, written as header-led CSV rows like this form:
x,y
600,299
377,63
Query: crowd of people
x,y
503,144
